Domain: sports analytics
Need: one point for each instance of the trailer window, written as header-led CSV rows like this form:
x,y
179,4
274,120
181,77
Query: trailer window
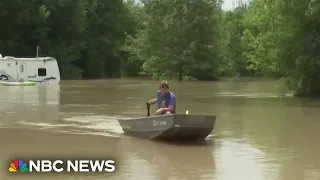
x,y
42,72
21,68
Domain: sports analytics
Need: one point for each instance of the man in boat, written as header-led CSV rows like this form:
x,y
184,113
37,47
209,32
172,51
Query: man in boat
x,y
166,100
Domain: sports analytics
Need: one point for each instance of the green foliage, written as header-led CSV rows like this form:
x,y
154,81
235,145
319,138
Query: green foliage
x,y
274,38
174,39
85,36
177,38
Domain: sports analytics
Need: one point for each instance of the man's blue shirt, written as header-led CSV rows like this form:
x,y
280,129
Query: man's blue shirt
x,y
166,101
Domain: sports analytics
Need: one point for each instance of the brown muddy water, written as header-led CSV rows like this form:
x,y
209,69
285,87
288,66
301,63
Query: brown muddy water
x,y
258,135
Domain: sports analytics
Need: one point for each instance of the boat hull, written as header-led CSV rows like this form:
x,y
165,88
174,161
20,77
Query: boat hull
x,y
178,127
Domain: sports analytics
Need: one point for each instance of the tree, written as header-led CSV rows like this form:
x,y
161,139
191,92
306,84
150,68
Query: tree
x,y
178,38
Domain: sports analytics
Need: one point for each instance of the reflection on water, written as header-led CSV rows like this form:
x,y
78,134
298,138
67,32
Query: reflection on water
x,y
25,104
169,161
258,135
248,162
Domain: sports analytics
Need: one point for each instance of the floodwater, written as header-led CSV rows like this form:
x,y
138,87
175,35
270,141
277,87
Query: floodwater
x,y
259,135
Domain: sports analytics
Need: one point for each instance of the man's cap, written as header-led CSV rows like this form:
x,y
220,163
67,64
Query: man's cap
x,y
164,83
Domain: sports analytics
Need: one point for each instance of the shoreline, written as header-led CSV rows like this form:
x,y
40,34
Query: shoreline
x,y
233,78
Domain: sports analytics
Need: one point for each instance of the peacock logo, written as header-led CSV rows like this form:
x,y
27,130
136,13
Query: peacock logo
x,y
18,166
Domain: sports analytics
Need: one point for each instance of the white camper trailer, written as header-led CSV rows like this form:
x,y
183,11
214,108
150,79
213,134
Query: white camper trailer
x,y
42,70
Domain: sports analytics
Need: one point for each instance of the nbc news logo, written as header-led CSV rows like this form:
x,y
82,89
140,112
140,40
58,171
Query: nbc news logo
x,y
62,166
18,166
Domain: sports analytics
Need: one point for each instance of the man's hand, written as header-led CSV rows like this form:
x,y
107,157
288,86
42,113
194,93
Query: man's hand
x,y
152,101
159,111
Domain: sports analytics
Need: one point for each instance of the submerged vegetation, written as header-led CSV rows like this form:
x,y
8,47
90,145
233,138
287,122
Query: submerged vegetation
x,y
182,39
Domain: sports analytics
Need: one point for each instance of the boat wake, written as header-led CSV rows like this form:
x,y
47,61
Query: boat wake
x,y
94,125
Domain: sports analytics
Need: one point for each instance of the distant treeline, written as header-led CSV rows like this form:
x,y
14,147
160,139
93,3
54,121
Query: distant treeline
x,y
177,39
